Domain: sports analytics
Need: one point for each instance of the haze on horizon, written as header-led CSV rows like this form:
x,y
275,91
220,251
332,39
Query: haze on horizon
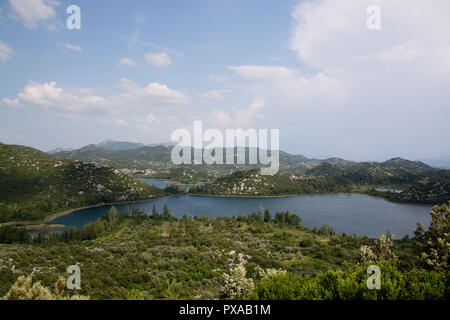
x,y
311,68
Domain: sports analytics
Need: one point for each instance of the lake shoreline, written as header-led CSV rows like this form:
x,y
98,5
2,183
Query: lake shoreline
x,y
359,214
53,216
46,221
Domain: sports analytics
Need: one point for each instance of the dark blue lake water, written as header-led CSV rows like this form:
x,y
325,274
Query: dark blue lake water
x,y
164,183
350,213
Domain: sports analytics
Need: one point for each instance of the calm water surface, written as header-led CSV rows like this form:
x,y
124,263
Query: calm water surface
x,y
350,213
164,183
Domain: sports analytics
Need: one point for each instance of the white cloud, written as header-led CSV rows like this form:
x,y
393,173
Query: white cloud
x,y
73,47
79,101
115,122
217,78
212,95
264,72
33,12
219,115
158,59
250,115
386,87
49,97
150,118
395,79
5,51
246,117
127,62
134,40
333,37
282,87
153,93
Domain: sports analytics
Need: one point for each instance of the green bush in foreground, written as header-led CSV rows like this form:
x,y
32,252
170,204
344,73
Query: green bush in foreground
x,y
352,284
24,289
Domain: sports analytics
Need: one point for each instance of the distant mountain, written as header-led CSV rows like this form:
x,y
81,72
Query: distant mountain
x,y
59,150
112,145
129,158
440,162
119,145
155,162
33,185
406,164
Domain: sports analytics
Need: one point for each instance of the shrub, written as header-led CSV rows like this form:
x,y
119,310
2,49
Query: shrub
x,y
23,289
235,285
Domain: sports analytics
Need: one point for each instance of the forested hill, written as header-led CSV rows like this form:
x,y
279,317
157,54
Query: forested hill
x,y
33,185
424,187
252,183
155,161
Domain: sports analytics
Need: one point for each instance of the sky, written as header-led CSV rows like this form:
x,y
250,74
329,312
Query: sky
x,y
136,71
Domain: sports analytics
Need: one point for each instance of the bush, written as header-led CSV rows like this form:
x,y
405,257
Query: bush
x,y
351,284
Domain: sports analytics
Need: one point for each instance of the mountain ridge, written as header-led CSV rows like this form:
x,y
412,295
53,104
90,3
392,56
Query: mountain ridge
x,y
34,185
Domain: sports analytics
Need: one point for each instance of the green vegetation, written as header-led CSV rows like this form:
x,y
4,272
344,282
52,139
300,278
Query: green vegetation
x,y
32,185
434,191
135,256
327,178
25,289
261,256
252,183
351,284
154,162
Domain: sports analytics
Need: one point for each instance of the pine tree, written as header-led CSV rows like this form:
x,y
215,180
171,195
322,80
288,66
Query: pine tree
x,y
261,213
166,211
154,212
267,215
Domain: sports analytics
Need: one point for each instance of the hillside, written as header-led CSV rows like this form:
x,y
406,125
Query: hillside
x,y
426,187
32,185
426,191
252,183
138,256
155,162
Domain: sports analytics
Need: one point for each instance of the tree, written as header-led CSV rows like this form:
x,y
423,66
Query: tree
x,y
433,244
267,215
235,285
280,217
113,215
261,213
166,211
154,212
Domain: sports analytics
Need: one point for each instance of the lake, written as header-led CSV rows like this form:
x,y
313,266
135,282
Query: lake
x,y
165,183
350,213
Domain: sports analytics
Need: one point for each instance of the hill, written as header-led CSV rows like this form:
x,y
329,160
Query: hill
x,y
155,162
252,183
119,145
33,185
406,164
138,256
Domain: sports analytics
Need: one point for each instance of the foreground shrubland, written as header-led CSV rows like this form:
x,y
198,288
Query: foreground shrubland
x,y
258,257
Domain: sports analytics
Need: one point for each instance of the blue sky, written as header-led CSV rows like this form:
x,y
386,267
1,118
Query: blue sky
x,y
139,70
